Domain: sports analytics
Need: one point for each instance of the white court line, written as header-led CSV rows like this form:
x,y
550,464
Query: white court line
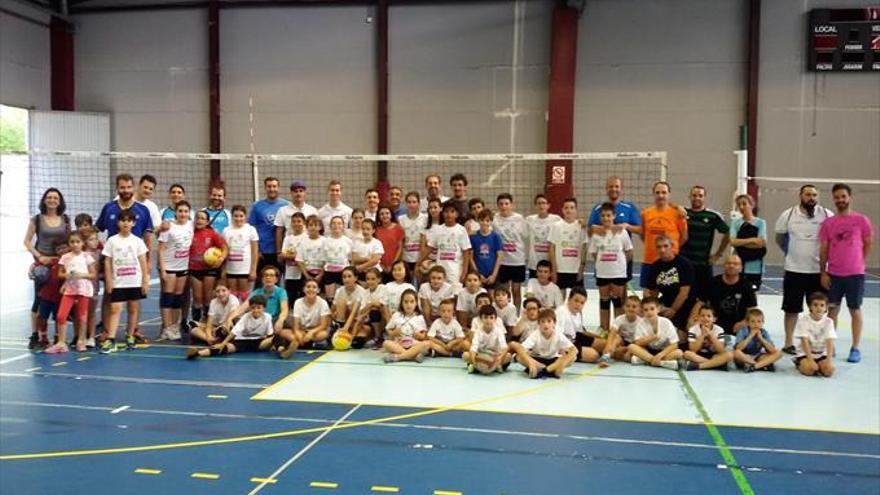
x,y
119,409
15,358
129,379
303,451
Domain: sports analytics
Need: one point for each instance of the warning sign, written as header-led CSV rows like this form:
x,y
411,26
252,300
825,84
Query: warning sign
x,y
558,175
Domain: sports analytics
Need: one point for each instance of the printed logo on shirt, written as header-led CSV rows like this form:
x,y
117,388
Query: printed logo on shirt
x,y
669,277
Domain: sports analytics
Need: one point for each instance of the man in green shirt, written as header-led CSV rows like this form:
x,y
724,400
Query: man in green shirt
x,y
702,225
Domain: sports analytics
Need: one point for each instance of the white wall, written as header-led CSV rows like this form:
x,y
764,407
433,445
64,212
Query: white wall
x,y
24,60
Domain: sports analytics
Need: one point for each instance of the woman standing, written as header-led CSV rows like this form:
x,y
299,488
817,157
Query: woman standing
x,y
391,235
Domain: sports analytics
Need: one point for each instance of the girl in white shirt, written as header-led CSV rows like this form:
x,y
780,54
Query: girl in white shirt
x,y
174,245
428,256
367,251
406,332
399,283
337,255
373,313
310,255
241,264
347,304
311,317
357,220
413,224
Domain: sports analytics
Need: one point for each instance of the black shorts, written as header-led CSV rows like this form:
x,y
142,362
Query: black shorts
x,y
544,361
567,280
177,273
702,280
512,273
629,270
201,274
332,278
796,287
852,287
127,294
238,276
602,282
818,359
247,345
582,340
706,353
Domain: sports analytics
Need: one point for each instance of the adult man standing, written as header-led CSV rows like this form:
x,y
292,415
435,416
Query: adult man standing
x,y
297,204
797,234
626,215
334,206
845,240
662,219
702,224
730,295
670,279
459,198
395,201
432,191
218,216
262,216
371,204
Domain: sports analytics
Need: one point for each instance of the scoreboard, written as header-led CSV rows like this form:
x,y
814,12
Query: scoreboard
x,y
844,40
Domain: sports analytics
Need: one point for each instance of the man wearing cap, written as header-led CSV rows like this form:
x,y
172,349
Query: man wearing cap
x,y
297,205
262,217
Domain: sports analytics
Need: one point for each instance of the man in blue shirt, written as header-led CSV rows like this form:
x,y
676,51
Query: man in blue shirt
x,y
218,216
143,224
626,215
262,217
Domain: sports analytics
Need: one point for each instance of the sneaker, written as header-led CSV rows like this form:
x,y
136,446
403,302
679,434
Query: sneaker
x,y
471,369
130,342
855,355
670,364
107,346
770,367
748,368
605,361
139,338
173,332
90,343
690,366
33,342
789,349
163,335
636,360
42,345
389,358
59,348
546,374
192,353
81,346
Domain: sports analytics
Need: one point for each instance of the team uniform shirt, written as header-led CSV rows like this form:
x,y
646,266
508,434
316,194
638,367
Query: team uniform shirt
x,y
701,229
753,267
423,203
377,295
625,328
177,240
731,301
816,333
390,238
610,250
327,212
273,300
409,326
217,311
239,239
250,328
309,315
337,253
568,240
666,222
357,295
803,238
845,235
569,323
624,212
485,250
311,254
436,297
262,217
754,347
694,332
547,348
668,277
203,239
493,341
451,243
538,235
429,233
472,226
514,232
666,333
124,252
107,220
77,263
549,296
291,243
466,300
477,325
413,228
507,314
285,214
168,215
446,332
393,291
527,328
219,219
368,249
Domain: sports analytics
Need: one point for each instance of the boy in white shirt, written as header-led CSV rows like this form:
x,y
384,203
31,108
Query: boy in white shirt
x,y
545,353
622,333
514,232
433,291
656,338
706,343
466,302
214,330
127,280
453,246
505,310
816,334
570,320
293,281
253,332
539,230
482,299
446,335
611,252
567,239
528,320
542,287
488,339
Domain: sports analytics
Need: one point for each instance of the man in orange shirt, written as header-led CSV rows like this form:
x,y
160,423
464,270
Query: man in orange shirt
x,y
661,219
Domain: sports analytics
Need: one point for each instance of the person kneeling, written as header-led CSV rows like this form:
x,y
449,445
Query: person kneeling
x,y
705,344
253,332
656,338
546,352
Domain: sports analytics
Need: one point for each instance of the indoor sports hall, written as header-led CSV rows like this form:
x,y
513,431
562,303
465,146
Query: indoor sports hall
x,y
758,103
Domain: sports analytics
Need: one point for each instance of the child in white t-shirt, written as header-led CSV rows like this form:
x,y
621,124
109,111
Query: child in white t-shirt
x,y
346,305
622,333
542,287
310,253
311,318
173,261
482,299
816,334
373,313
528,320
446,336
406,331
213,329
570,320
611,251
465,305
547,352
252,332
656,338
706,343
293,280
505,310
453,246
400,277
78,270
127,280
367,251
488,340
338,254
433,291
241,262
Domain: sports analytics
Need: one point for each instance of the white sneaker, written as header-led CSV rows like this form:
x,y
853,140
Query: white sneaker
x,y
173,332
163,335
90,342
670,364
636,360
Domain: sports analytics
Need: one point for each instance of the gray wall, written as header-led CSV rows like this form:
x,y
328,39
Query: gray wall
x,y
24,59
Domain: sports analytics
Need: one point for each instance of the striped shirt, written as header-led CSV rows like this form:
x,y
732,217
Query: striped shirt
x,y
702,225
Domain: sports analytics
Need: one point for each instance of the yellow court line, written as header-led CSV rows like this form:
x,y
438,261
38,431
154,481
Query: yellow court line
x,y
290,433
289,377
264,480
213,396
384,489
323,484
84,358
205,476
446,492
147,471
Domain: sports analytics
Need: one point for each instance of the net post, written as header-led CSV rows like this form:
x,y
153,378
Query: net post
x,y
742,179
255,170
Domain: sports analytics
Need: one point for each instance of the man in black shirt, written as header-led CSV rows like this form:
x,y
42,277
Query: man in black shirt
x,y
731,295
670,279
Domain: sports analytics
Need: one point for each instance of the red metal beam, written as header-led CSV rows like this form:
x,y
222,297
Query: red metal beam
x,y
560,121
214,84
752,97
61,54
382,95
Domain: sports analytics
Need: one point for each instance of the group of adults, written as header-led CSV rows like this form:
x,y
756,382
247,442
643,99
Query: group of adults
x,y
825,251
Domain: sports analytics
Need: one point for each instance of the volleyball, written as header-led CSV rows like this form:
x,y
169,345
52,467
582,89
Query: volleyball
x,y
485,362
341,341
213,257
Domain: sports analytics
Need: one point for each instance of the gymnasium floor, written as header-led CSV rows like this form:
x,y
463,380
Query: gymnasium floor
x,y
344,423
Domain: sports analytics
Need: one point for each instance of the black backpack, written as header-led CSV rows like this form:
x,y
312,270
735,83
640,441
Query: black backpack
x,y
746,231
